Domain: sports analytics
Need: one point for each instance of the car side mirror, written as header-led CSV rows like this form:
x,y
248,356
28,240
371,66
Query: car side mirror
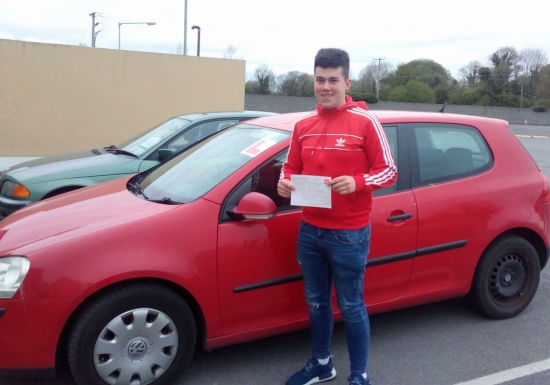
x,y
165,153
254,206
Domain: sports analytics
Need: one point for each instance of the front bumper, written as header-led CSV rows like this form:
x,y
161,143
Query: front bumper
x,y
8,206
29,334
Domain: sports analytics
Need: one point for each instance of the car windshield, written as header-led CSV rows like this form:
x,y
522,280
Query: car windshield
x,y
197,170
144,141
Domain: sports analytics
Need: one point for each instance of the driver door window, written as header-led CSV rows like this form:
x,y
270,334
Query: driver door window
x,y
264,180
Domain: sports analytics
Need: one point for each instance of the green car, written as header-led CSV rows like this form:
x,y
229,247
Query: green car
x,y
34,180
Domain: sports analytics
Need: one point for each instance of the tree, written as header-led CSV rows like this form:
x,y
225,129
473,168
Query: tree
x,y
543,96
484,73
295,83
366,82
423,70
414,91
441,93
231,53
263,81
531,61
507,56
505,62
433,75
470,73
500,80
250,87
179,49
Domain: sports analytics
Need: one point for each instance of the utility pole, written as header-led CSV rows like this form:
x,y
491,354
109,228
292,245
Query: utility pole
x,y
94,24
523,73
93,28
378,76
185,30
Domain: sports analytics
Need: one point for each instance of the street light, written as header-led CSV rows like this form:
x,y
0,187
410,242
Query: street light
x,y
198,39
139,22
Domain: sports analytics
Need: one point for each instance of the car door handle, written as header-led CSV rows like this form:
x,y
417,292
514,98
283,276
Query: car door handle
x,y
401,217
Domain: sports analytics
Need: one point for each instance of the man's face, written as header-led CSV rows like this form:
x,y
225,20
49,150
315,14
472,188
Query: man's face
x,y
330,87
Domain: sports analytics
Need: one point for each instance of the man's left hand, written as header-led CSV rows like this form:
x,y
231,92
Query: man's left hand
x,y
343,184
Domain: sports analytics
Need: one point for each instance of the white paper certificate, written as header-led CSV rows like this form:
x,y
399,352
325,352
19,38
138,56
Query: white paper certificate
x,y
310,191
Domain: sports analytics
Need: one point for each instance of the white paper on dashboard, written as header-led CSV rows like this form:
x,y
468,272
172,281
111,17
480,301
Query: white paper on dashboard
x,y
311,190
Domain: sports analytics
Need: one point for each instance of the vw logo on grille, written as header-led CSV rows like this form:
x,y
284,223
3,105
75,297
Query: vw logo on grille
x,y
137,348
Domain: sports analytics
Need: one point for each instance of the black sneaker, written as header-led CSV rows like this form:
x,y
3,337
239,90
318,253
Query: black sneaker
x,y
312,373
355,379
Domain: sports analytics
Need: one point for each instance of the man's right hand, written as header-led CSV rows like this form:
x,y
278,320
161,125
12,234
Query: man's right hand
x,y
284,188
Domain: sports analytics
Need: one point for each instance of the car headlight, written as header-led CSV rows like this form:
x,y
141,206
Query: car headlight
x,y
14,190
12,273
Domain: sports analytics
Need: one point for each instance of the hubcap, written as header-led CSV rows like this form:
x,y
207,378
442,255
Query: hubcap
x,y
136,347
507,277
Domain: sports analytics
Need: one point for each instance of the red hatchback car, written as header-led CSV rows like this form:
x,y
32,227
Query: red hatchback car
x,y
128,276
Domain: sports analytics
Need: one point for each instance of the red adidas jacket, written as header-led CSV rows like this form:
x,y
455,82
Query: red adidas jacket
x,y
348,140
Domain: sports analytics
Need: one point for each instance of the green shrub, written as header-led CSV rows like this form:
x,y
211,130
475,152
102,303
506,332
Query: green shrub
x,y
364,96
539,109
542,102
413,92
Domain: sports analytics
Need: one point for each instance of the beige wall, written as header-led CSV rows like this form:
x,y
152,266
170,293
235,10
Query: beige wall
x,y
59,98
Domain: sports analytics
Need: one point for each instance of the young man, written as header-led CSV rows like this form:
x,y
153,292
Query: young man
x,y
344,141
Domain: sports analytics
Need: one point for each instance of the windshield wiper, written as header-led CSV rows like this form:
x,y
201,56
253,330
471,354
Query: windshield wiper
x,y
112,149
137,188
165,200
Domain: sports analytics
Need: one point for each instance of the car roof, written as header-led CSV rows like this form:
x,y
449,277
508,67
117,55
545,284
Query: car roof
x,y
223,114
287,121
388,117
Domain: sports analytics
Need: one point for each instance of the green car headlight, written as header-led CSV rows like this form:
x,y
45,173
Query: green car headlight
x,y
14,190
12,273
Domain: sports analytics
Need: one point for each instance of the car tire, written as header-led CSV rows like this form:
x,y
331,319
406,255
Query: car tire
x,y
506,278
139,333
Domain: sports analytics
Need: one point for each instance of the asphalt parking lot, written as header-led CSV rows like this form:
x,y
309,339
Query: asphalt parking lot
x,y
436,344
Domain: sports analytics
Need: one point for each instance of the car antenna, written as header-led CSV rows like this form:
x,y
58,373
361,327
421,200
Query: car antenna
x,y
443,108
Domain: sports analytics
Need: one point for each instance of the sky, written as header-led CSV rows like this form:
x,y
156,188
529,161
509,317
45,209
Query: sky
x,y
286,34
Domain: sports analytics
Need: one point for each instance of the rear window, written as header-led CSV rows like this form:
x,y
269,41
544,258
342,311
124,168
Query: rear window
x,y
447,152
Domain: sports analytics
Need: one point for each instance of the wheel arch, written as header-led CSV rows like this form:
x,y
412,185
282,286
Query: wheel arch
x,y
61,350
530,236
62,190
533,238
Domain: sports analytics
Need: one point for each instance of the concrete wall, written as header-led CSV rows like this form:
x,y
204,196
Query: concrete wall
x,y
277,103
59,98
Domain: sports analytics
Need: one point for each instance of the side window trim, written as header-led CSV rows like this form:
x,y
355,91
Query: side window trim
x,y
402,160
404,163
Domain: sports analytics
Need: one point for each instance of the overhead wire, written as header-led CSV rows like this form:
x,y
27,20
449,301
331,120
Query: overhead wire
x,y
84,34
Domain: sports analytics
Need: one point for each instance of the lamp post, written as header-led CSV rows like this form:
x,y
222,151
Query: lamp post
x,y
139,22
198,39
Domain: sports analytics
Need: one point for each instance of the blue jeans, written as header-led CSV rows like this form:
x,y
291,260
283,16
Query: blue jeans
x,y
337,256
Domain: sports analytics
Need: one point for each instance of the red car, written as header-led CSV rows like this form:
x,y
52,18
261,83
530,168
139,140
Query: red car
x,y
125,278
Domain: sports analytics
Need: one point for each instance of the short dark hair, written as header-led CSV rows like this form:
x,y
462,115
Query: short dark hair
x,y
333,58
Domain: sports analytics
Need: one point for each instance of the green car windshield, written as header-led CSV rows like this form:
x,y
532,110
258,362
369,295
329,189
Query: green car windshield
x,y
196,171
142,143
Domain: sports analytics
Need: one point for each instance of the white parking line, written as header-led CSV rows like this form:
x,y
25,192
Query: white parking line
x,y
511,374
532,136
